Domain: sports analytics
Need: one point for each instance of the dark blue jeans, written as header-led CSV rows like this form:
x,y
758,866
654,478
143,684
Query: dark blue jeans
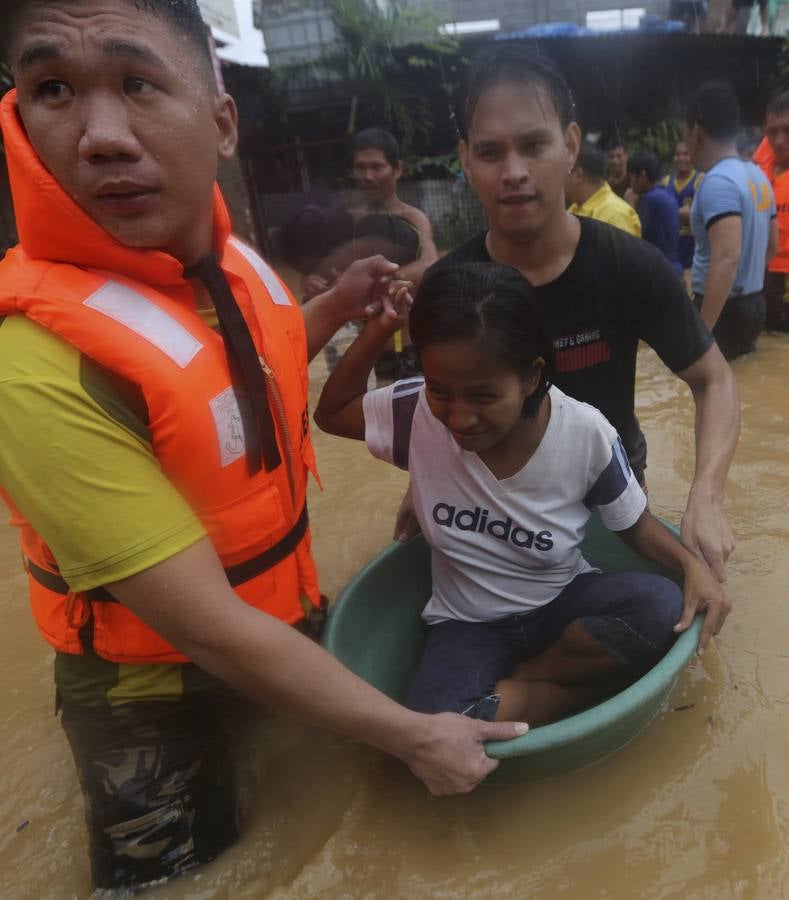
x,y
632,614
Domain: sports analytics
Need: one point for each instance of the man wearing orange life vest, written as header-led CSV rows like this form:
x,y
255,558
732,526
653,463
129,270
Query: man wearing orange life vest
x,y
155,464
772,156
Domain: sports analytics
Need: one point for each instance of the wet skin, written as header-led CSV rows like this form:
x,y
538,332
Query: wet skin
x,y
116,102
517,158
375,175
480,402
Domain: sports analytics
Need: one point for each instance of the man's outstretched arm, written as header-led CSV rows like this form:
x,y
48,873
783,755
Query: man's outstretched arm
x,y
360,292
188,600
705,529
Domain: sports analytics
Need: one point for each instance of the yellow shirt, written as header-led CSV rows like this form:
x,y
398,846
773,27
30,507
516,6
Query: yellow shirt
x,y
605,206
76,458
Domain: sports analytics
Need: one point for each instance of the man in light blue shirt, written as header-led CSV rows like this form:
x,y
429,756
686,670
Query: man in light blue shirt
x,y
733,223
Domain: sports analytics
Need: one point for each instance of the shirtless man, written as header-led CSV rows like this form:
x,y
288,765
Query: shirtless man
x,y
376,168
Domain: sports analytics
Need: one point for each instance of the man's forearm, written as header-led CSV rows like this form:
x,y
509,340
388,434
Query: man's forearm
x,y
273,665
705,530
258,655
720,282
321,322
717,431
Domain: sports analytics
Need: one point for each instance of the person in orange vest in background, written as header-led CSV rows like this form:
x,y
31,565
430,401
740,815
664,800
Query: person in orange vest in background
x,y
155,439
772,156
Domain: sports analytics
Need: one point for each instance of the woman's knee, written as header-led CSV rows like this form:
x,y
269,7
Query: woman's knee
x,y
640,627
475,700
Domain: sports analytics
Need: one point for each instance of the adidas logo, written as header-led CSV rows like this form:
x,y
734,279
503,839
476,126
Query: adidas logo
x,y
502,529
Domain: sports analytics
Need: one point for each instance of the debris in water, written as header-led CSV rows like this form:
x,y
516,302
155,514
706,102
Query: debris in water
x,y
22,825
683,708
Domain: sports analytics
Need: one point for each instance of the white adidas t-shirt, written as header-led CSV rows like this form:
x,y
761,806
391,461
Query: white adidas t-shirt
x,y
503,546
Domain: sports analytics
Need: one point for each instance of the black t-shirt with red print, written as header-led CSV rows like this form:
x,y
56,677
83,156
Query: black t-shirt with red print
x,y
616,290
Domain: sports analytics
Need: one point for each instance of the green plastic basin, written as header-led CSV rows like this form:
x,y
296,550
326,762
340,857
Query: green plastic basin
x,y
375,629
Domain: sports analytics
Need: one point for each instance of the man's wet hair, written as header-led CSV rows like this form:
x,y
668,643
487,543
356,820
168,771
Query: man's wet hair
x,y
508,63
778,105
645,161
377,139
591,160
183,15
490,304
714,107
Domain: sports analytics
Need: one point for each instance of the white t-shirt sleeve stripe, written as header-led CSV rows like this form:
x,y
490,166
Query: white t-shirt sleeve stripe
x,y
616,494
626,510
612,480
388,415
403,409
379,422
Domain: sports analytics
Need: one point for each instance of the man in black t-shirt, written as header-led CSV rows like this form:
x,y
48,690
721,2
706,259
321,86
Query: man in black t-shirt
x,y
601,289
616,289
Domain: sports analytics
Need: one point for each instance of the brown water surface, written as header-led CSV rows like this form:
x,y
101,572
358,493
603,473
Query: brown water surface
x,y
696,807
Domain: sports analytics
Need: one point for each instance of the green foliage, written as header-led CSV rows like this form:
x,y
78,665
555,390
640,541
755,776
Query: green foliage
x,y
660,138
446,165
367,59
780,79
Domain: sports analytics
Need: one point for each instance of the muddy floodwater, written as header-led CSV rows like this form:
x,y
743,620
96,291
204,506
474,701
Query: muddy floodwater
x,y
696,807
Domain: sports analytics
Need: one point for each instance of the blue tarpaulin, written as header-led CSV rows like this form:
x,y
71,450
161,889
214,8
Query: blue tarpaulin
x,y
648,24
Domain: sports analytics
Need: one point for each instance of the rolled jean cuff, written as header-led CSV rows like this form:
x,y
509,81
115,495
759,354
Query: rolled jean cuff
x,y
485,708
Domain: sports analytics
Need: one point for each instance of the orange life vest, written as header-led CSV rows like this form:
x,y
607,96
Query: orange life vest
x,y
133,312
765,159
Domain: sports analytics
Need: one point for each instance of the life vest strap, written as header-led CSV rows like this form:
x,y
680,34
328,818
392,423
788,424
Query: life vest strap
x,y
236,575
266,560
53,582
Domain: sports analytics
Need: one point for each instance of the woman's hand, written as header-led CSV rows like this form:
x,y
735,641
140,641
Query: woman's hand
x,y
703,593
398,302
391,312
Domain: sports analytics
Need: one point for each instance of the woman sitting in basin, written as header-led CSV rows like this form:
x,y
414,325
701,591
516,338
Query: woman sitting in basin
x,y
506,471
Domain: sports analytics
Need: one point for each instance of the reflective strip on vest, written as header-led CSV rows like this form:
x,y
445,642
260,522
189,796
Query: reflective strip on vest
x,y
146,319
266,274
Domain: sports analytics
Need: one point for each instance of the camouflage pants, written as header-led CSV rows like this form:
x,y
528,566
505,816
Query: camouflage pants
x,y
159,784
